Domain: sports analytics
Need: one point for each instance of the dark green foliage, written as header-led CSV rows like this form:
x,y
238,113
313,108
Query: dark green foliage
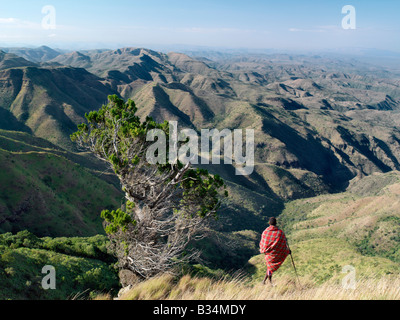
x,y
117,219
87,247
199,183
116,117
82,266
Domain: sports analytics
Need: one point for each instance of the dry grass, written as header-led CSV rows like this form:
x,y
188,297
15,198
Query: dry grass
x,y
286,288
103,296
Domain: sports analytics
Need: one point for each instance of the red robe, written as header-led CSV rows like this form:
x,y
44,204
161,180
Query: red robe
x,y
273,243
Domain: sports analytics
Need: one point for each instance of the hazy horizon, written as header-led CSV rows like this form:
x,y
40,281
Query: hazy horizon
x,y
257,25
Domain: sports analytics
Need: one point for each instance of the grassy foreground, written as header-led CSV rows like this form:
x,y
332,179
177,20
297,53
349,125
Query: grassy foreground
x,y
328,269
167,287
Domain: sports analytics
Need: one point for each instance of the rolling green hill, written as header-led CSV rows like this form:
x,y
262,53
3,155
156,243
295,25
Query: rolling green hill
x,y
83,267
366,215
44,189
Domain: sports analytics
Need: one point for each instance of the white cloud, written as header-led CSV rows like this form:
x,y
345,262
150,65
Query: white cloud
x,y
8,20
18,23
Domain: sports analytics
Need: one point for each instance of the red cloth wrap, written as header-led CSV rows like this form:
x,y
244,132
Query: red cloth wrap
x,y
274,244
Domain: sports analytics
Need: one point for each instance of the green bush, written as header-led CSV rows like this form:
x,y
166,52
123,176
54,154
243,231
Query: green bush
x,y
82,266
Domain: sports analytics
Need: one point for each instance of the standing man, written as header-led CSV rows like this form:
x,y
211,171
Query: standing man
x,y
274,245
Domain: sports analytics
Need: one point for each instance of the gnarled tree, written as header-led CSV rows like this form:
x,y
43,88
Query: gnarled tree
x,y
168,205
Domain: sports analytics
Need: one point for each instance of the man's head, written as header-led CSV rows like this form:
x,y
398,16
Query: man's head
x,y
272,221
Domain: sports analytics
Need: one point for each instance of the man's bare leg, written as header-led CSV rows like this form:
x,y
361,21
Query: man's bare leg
x,y
268,276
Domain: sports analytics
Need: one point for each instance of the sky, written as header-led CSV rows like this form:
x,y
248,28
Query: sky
x,y
250,24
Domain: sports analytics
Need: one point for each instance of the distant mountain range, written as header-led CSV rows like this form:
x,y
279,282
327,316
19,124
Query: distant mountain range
x,y
318,98
40,54
319,121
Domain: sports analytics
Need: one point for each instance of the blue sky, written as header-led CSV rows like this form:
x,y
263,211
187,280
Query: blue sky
x,y
297,25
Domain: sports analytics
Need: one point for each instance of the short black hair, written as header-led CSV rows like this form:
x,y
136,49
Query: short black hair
x,y
272,221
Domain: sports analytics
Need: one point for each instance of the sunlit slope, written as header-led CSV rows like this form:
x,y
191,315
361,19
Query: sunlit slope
x,y
358,228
